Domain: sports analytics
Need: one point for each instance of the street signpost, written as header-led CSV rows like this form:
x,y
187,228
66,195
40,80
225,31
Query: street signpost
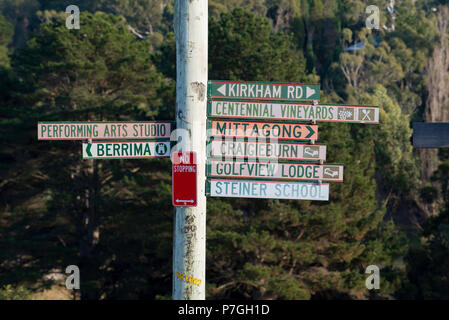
x,y
263,91
228,103
272,130
263,150
126,150
231,109
103,130
430,134
274,170
267,189
184,181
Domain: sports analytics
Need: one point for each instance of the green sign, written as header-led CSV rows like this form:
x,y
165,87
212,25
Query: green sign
x,y
263,91
126,150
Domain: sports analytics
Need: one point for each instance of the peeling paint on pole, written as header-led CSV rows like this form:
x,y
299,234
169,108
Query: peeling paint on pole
x,y
200,90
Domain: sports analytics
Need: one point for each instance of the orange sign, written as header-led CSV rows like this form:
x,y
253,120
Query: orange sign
x,y
272,130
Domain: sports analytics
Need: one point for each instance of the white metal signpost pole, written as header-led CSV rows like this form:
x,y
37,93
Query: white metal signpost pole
x,y
189,252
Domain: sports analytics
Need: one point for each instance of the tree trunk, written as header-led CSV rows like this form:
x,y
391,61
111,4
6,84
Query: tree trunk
x,y
437,104
89,231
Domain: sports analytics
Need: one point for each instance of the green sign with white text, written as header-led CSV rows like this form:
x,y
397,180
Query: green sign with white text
x,y
263,91
125,150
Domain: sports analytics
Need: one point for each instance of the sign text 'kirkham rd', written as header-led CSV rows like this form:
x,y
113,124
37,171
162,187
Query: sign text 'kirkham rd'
x,y
263,91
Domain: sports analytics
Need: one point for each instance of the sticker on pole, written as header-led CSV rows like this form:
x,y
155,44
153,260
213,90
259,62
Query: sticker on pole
x,y
184,182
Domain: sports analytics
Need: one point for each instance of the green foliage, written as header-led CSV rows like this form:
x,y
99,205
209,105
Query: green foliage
x,y
427,261
21,13
99,72
8,292
428,194
257,7
6,33
245,48
256,249
394,152
442,176
88,65
145,16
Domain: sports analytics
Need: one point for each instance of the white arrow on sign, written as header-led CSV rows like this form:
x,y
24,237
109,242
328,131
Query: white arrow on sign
x,y
177,200
222,89
309,92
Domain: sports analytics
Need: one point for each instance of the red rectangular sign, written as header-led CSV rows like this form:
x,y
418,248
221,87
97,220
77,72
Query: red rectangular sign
x,y
184,188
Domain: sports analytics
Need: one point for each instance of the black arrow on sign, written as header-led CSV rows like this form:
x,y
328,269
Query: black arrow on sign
x,y
89,154
311,132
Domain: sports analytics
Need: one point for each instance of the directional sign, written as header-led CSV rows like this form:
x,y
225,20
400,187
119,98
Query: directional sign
x,y
184,181
128,150
103,130
263,91
267,190
261,150
293,111
244,129
267,170
431,134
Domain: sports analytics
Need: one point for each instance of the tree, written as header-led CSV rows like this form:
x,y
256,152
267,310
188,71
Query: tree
x,y
257,7
21,14
245,48
396,164
144,16
6,33
437,83
90,213
427,261
282,249
10,293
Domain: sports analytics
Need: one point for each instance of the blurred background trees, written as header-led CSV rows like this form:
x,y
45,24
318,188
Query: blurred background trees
x,y
114,218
